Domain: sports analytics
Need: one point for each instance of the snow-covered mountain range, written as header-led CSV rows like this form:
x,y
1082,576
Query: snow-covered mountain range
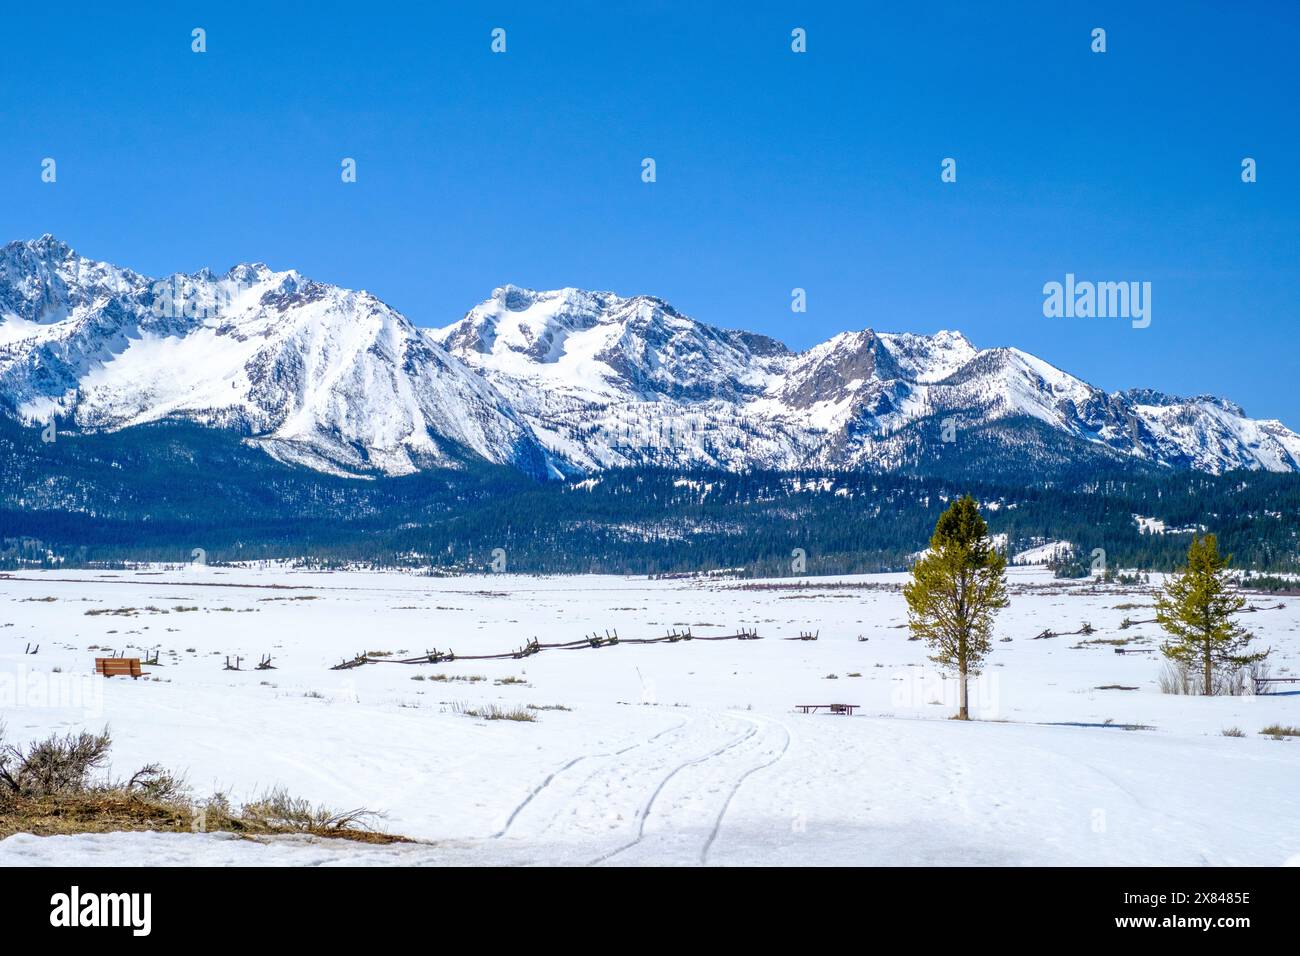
x,y
554,383
314,374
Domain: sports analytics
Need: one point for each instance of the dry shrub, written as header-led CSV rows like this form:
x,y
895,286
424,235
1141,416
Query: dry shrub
x,y
53,766
1179,678
48,788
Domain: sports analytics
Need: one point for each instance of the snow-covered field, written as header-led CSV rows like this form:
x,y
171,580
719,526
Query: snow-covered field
x,y
680,753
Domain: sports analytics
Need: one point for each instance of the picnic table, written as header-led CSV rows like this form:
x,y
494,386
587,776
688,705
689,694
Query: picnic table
x,y
846,709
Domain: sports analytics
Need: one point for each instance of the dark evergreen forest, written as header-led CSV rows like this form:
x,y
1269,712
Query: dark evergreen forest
x,y
159,492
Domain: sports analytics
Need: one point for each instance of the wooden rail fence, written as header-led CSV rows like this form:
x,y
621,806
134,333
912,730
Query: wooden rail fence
x,y
608,639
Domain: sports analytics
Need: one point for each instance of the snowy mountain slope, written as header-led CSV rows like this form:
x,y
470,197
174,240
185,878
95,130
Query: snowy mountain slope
x,y
559,382
607,381
1206,432
314,374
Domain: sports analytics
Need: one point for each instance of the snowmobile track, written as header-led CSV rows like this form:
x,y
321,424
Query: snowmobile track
x,y
647,811
577,760
717,824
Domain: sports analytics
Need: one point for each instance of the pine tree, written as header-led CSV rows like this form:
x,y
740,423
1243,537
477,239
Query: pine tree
x,y
956,590
1195,609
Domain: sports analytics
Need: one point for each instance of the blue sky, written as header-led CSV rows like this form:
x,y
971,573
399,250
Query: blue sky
x,y
775,170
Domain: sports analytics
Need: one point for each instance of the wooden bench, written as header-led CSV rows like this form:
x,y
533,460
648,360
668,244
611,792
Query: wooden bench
x,y
1262,682
846,709
118,666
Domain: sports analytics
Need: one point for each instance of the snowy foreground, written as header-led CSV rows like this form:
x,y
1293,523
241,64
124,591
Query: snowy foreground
x,y
683,753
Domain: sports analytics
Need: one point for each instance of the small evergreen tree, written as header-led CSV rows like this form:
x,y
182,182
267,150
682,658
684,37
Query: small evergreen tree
x,y
1195,609
955,591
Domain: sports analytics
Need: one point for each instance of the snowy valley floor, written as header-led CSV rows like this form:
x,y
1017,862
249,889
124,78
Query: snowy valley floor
x,y
686,753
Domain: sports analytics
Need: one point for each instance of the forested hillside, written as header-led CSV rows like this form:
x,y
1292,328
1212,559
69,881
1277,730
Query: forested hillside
x,y
159,492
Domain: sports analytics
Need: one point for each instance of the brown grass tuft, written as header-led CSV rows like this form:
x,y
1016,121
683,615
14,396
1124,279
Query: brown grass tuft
x,y
46,790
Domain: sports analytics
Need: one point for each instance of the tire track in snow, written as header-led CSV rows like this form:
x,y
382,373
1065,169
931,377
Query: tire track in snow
x,y
1118,786
644,813
576,760
717,824
632,780
1104,775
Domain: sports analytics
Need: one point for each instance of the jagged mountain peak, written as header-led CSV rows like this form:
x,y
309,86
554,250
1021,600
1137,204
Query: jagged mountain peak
x,y
44,281
47,247
517,307
314,374
600,344
251,272
929,358
1150,396
518,298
